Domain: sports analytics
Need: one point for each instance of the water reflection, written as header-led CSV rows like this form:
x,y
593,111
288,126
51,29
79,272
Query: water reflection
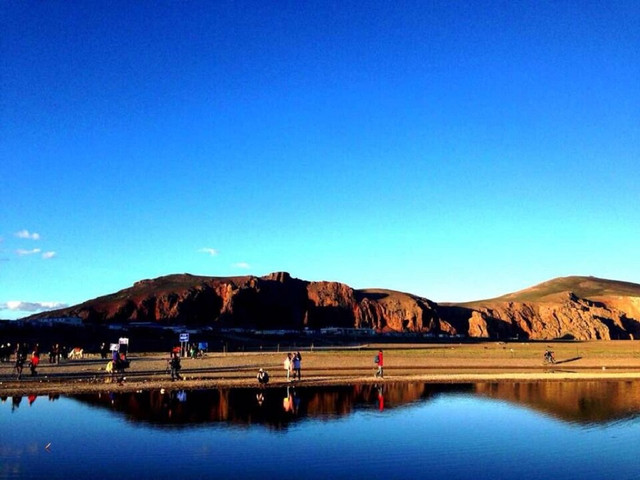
x,y
576,402
276,408
16,400
581,402
478,431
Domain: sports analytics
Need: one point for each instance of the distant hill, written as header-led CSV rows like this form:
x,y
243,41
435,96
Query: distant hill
x,y
584,308
584,287
569,307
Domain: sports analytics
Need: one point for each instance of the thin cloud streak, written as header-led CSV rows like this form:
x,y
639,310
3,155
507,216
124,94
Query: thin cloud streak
x,y
16,305
21,252
48,255
210,251
243,265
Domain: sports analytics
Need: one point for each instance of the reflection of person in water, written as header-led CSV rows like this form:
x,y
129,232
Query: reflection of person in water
x,y
296,402
380,398
287,403
260,398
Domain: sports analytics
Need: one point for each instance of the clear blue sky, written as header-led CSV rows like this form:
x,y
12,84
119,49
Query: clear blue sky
x,y
457,150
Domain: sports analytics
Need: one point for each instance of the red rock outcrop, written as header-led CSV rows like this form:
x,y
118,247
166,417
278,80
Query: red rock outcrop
x,y
595,310
270,302
552,314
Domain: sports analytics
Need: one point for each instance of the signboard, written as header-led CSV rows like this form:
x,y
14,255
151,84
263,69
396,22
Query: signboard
x,y
113,347
124,345
184,337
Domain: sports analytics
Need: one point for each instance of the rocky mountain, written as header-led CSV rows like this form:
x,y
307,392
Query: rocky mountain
x,y
572,307
275,301
583,308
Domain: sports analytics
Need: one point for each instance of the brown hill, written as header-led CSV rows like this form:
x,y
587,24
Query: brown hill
x,y
274,301
583,308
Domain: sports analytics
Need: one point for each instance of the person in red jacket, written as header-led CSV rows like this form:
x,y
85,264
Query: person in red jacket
x,y
380,362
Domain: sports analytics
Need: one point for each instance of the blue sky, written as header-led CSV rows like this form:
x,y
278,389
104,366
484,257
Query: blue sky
x,y
457,150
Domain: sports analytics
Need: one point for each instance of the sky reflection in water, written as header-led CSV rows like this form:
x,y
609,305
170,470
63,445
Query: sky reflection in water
x,y
585,430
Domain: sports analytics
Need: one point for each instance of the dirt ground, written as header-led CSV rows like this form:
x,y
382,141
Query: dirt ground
x,y
438,363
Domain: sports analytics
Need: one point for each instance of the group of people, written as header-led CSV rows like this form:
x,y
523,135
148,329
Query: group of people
x,y
117,365
22,353
293,366
57,352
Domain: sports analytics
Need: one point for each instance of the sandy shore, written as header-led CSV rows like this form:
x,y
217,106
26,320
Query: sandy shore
x,y
440,363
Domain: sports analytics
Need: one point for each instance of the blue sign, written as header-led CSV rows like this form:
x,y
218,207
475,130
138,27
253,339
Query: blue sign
x,y
184,337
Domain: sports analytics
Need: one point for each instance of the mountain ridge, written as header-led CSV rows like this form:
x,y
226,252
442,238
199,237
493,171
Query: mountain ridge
x,y
565,307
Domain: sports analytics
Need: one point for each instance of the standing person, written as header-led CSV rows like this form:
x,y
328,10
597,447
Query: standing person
x,y
20,359
35,360
297,361
287,366
380,362
175,367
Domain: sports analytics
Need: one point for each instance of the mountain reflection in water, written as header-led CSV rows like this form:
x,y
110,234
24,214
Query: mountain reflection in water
x,y
276,408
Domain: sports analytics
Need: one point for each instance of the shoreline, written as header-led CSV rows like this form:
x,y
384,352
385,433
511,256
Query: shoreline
x,y
488,363
47,387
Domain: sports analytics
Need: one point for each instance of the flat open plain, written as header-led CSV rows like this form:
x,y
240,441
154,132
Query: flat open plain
x,y
438,363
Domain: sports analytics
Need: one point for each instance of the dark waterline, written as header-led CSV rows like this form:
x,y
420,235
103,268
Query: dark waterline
x,y
527,430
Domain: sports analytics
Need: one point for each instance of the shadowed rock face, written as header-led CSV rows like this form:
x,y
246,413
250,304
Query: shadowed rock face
x,y
592,309
273,301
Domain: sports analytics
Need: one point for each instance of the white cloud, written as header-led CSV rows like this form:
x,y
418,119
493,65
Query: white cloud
x,y
211,251
31,306
48,255
23,252
28,234
243,265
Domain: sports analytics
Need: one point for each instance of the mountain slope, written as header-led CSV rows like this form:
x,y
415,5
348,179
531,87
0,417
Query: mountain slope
x,y
274,301
583,308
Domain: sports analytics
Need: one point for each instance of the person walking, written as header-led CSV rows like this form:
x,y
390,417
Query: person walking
x,y
175,367
21,357
380,362
35,360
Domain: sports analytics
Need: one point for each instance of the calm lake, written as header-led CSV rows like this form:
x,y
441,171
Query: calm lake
x,y
552,430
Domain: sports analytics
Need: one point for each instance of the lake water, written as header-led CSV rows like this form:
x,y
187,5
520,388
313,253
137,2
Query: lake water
x,y
554,430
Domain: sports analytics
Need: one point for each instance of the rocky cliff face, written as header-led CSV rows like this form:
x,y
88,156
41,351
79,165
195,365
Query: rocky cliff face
x,y
279,301
564,315
270,302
